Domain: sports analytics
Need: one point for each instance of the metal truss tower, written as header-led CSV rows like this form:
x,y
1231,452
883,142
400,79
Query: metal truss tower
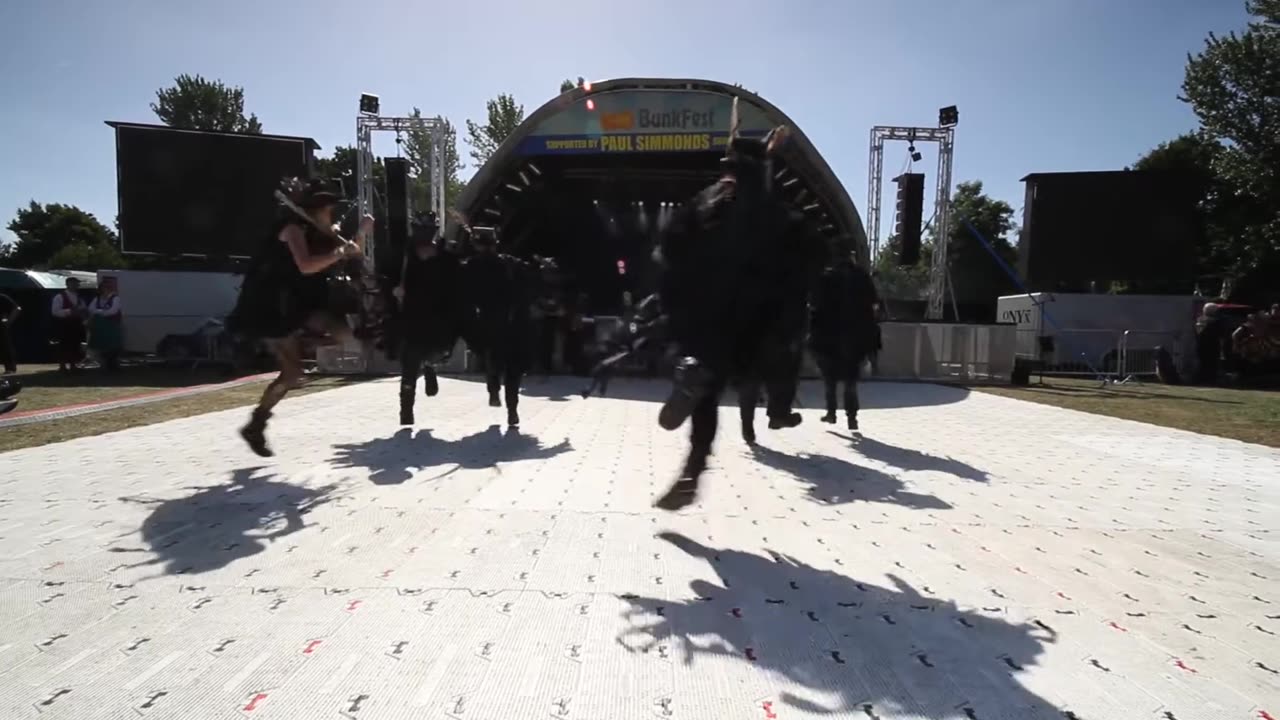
x,y
366,124
945,138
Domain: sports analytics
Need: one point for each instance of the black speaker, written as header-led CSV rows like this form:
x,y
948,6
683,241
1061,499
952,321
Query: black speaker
x,y
397,217
910,215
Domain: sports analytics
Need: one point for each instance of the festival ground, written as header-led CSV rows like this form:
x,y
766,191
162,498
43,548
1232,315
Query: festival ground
x,y
971,556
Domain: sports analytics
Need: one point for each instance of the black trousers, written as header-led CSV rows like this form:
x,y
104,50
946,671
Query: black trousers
x,y
413,365
8,356
70,340
836,371
504,371
703,424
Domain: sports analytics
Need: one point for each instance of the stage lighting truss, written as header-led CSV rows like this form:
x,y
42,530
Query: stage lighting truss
x,y
366,125
945,138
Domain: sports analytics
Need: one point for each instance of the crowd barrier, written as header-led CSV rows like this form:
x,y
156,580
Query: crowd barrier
x,y
946,352
1109,354
957,352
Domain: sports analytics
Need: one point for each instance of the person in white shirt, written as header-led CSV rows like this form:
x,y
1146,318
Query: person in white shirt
x,y
68,317
106,336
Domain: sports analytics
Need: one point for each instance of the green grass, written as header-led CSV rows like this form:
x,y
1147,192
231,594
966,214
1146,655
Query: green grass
x,y
53,390
1249,415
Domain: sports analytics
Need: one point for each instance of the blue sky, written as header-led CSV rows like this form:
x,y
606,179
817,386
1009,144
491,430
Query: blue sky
x,y
1042,85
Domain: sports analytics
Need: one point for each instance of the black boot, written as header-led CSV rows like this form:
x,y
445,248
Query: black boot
x,y
830,417
255,433
687,388
789,420
494,401
684,491
853,422
430,384
749,432
406,406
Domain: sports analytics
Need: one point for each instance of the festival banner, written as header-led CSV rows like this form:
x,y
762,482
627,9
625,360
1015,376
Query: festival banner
x,y
643,121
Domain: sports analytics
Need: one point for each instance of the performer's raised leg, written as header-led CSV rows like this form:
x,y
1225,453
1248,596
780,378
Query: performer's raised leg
x,y
288,355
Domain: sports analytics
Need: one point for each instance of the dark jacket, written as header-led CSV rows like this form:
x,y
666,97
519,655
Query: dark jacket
x,y
842,323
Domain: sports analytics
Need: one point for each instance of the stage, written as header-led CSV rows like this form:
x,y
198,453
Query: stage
x,y
969,556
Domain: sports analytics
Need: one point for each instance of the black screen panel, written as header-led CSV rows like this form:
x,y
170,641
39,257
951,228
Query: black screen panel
x,y
200,193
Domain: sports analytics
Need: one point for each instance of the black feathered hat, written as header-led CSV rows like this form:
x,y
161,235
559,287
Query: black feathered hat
x,y
310,194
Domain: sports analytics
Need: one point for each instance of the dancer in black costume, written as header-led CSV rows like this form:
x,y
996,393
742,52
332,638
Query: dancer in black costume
x,y
430,311
286,292
719,286
799,259
843,332
501,291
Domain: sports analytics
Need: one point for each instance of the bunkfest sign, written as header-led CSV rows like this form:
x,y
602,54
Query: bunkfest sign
x,y
641,121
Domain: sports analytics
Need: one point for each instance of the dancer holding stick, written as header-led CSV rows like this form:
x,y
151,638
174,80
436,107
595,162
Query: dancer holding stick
x,y
286,291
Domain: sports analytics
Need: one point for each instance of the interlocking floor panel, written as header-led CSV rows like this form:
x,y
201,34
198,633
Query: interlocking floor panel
x,y
965,557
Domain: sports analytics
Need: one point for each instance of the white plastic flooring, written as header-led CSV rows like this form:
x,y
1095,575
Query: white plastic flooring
x,y
969,557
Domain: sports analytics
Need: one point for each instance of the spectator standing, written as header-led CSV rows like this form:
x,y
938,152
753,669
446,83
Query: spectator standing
x,y
69,316
9,310
106,331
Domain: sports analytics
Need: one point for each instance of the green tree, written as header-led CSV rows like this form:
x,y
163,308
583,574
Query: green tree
x,y
1196,157
45,230
902,282
975,275
417,147
1233,86
566,85
194,103
80,256
504,115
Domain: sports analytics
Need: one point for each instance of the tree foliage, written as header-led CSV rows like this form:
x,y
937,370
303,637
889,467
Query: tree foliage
x,y
566,85
504,115
417,147
44,231
81,256
1233,86
194,103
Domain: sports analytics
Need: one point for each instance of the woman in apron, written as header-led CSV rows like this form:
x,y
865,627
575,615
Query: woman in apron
x,y
106,332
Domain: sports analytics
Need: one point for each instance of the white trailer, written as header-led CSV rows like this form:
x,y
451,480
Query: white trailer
x,y
1086,332
157,303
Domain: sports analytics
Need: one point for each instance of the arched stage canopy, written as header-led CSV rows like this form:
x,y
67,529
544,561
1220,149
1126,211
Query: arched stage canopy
x,y
644,140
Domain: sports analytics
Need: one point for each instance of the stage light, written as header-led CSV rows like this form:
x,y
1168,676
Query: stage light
x,y
369,104
493,212
523,178
535,169
515,187
595,202
948,116
811,208
586,85
591,104
622,267
915,154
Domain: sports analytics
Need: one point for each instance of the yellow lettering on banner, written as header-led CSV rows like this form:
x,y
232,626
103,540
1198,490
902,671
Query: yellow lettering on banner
x,y
673,143
616,143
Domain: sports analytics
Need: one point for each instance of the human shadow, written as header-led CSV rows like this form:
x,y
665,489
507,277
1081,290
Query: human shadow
x,y
835,482
844,646
909,459
220,524
396,459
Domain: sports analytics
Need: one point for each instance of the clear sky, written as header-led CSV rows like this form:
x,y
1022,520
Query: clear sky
x,y
1042,85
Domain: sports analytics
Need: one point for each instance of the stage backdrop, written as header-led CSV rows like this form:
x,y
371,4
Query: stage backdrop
x,y
200,193
630,121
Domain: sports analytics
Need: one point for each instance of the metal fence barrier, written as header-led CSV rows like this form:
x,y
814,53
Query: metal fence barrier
x,y
1104,354
946,351
1140,351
